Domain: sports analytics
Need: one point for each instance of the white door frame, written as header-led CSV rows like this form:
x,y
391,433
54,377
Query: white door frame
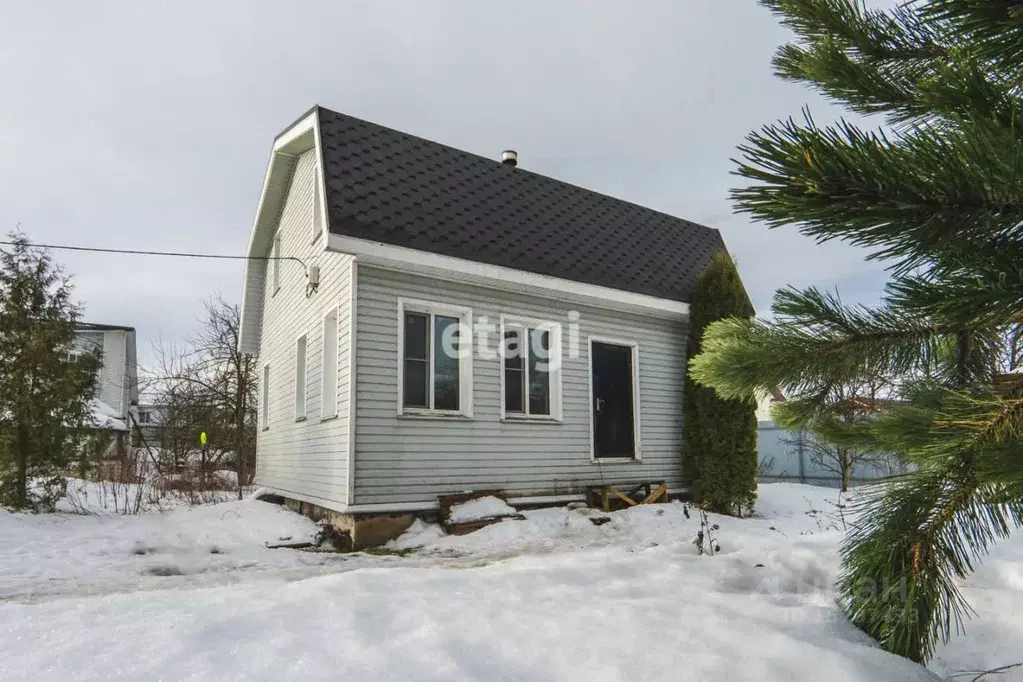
x,y
636,440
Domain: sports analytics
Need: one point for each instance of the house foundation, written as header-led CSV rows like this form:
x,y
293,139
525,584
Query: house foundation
x,y
364,530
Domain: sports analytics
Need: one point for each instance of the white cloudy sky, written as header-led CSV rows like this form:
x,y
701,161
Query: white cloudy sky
x,y
147,124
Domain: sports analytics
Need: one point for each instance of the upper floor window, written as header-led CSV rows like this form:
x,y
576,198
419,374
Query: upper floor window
x,y
265,400
328,367
300,377
435,370
531,372
317,203
276,256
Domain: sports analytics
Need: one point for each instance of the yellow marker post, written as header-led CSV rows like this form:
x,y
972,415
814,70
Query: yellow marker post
x,y
202,438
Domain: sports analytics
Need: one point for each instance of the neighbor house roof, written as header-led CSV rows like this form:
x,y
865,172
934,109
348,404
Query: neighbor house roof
x,y
391,187
90,326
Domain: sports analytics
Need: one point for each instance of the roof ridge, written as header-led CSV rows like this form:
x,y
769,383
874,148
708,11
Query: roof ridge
x,y
515,169
393,187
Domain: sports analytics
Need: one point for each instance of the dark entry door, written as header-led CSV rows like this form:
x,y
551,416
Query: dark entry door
x,y
613,416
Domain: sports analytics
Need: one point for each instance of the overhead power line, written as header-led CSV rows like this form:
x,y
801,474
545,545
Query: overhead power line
x,y
176,254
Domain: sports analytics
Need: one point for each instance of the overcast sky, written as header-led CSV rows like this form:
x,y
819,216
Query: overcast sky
x,y
147,125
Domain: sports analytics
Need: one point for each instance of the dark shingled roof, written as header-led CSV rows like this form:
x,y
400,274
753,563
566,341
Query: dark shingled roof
x,y
388,186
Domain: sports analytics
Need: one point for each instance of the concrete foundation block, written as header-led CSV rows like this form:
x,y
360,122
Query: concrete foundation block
x,y
365,530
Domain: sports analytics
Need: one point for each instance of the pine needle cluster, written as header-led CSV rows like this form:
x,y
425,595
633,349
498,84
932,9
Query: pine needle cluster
x,y
936,192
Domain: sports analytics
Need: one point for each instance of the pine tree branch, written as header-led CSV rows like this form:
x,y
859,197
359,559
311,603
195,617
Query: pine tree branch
x,y
912,541
940,197
904,198
894,62
974,298
815,343
994,28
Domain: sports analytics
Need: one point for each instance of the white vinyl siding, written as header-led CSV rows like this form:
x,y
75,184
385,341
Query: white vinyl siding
x,y
112,372
328,373
400,460
300,378
306,460
117,375
265,416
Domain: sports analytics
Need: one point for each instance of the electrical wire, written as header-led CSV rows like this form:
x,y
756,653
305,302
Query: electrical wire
x,y
176,254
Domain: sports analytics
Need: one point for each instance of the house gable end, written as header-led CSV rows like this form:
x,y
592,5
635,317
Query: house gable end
x,y
298,139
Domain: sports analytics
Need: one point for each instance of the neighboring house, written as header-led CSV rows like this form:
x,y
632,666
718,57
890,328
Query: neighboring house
x,y
117,382
429,321
150,424
766,402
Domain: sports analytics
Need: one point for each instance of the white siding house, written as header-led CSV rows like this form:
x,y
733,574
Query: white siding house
x,y
117,390
430,322
304,454
413,459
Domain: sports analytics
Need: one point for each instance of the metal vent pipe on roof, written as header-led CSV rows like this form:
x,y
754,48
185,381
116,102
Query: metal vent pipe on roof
x,y
510,157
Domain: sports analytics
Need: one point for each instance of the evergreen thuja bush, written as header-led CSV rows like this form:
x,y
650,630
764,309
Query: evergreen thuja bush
x,y
720,435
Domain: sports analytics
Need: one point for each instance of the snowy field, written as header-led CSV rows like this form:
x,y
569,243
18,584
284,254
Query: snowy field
x,y
194,594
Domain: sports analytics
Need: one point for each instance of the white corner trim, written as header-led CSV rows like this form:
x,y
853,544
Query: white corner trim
x,y
307,123
320,181
298,138
636,439
497,276
332,505
310,123
262,201
465,377
245,343
352,328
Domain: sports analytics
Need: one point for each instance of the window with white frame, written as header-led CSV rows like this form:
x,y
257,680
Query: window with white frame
x,y
531,372
276,256
435,367
329,379
266,396
300,377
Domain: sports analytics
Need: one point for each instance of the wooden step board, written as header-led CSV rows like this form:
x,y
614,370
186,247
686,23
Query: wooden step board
x,y
446,502
612,498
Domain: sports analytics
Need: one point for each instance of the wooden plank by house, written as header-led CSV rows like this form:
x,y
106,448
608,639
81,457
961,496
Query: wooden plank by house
x,y
610,497
446,502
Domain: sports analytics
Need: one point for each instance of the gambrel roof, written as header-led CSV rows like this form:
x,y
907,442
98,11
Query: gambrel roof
x,y
391,187
400,201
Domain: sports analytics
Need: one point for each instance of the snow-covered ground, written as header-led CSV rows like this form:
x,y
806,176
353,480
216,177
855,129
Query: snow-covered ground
x,y
55,555
195,594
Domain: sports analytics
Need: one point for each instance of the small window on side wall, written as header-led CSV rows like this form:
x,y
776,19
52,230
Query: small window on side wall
x,y
328,368
532,370
436,359
276,257
317,204
266,397
300,378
